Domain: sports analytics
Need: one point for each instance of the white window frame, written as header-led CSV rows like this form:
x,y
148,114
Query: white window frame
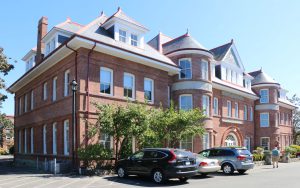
x,y
54,138
251,113
106,139
191,68
45,139
31,100
229,109
20,105
180,103
261,120
121,37
264,99
216,106
133,84
205,106
25,140
186,141
205,141
45,89
204,70
152,92
134,41
236,110
31,140
261,138
248,144
245,112
25,103
54,88
66,83
111,80
66,138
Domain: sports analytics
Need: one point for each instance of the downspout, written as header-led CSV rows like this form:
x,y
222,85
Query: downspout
x,y
76,55
88,82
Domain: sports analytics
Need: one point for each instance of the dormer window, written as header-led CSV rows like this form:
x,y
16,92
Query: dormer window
x,y
61,39
50,46
30,63
134,40
122,35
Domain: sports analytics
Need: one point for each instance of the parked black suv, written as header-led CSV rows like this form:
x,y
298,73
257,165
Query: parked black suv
x,y
160,164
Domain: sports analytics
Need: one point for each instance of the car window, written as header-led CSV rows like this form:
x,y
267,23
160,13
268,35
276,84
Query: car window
x,y
214,153
154,155
204,153
138,155
243,152
226,153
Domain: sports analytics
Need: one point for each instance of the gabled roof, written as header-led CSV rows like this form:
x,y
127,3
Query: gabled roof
x,y
70,26
220,51
184,42
121,15
261,77
29,54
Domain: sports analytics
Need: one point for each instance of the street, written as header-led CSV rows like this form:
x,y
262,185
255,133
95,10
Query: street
x,y
266,176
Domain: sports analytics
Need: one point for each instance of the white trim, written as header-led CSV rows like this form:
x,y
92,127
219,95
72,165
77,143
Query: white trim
x,y
152,92
133,84
205,98
206,75
207,146
265,85
191,68
230,120
268,142
66,83
184,52
260,120
111,81
267,107
45,139
186,95
54,138
199,85
54,88
66,138
229,108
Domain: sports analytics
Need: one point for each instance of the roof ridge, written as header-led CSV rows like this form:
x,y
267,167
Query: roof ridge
x,y
91,23
184,35
231,42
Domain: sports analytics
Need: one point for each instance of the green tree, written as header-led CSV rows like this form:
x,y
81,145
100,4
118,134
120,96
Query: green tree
x,y
296,118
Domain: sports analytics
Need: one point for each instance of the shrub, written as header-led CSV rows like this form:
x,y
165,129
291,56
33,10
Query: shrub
x,y
290,150
94,155
258,157
11,150
296,147
3,151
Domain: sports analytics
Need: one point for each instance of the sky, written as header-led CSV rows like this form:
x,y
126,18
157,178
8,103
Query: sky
x,y
265,32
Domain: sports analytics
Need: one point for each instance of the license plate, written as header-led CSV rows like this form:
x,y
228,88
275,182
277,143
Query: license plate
x,y
212,163
188,163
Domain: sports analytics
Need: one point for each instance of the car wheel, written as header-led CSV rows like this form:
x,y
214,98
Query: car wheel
x,y
121,172
158,176
183,180
241,171
227,168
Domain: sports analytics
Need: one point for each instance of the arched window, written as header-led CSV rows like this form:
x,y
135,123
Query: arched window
x,y
231,140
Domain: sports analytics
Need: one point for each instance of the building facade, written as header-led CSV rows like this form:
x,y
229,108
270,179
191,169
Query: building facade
x,y
111,62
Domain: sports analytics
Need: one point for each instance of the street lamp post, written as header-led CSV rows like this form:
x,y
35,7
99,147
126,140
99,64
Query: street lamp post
x,y
74,89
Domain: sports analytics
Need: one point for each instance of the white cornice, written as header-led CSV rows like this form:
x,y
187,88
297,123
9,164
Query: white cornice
x,y
182,52
267,107
199,85
265,85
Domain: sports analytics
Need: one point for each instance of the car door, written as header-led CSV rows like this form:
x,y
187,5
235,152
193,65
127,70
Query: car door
x,y
135,163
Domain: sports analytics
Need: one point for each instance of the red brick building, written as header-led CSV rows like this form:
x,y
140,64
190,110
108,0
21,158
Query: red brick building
x,y
111,62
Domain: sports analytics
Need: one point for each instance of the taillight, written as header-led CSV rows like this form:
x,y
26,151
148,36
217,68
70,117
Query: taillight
x,y
203,164
173,157
241,158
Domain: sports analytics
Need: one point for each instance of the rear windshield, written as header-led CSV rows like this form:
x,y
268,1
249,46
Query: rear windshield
x,y
243,152
182,153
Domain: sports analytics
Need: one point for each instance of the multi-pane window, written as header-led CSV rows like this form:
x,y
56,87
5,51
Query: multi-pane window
x,y
31,100
25,103
216,106
128,84
264,119
186,69
265,143
229,109
264,96
187,143
45,139
245,112
134,40
20,106
251,114
25,140
20,141
236,110
148,90
54,85
205,141
205,104
186,102
31,140
105,140
54,138
66,138
204,68
66,82
122,35
106,81
45,94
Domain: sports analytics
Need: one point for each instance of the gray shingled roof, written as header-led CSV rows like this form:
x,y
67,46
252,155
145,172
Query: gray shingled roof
x,y
121,15
221,51
261,77
183,42
70,26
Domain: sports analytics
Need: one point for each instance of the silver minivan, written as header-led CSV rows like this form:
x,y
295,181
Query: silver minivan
x,y
231,158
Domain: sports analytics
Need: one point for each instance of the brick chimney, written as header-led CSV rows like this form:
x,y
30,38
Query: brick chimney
x,y
42,31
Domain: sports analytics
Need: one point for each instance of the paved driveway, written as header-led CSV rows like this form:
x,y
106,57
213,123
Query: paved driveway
x,y
287,175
